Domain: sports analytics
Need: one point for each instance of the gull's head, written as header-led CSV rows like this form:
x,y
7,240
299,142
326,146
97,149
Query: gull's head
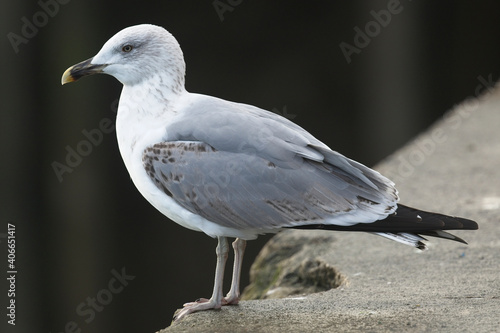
x,y
133,55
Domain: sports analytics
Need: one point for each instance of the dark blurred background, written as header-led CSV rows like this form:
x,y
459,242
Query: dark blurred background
x,y
74,229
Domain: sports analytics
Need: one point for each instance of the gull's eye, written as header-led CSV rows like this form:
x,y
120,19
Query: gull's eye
x,y
127,48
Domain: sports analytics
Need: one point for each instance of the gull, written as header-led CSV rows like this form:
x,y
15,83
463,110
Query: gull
x,y
234,170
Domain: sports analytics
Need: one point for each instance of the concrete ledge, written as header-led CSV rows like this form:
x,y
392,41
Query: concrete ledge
x,y
453,168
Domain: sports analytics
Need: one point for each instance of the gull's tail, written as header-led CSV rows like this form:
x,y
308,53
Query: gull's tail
x,y
407,225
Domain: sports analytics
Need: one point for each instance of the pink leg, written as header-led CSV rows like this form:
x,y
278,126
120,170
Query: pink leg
x,y
233,297
215,302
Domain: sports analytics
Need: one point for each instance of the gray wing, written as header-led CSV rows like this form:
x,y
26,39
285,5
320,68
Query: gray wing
x,y
245,191
246,168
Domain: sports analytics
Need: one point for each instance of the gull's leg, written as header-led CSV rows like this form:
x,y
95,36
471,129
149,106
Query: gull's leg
x,y
215,302
233,296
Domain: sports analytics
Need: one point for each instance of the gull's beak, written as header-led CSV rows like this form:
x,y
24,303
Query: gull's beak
x,y
80,70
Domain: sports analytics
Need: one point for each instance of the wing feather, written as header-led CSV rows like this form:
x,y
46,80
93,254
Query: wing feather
x,y
248,191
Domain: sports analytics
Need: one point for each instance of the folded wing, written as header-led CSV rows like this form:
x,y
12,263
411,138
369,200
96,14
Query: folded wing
x,y
244,190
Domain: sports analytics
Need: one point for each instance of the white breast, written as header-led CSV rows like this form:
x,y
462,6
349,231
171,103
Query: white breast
x,y
139,125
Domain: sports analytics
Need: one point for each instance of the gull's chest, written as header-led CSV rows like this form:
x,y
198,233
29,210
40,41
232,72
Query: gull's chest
x,y
135,134
141,121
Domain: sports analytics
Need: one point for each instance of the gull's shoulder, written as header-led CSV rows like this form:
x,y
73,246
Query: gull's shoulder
x,y
203,113
199,105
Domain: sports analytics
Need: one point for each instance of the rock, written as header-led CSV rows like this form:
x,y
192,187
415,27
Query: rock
x,y
290,264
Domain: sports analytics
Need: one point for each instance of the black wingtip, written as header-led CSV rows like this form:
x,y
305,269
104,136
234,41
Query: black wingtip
x,y
444,235
408,220
421,246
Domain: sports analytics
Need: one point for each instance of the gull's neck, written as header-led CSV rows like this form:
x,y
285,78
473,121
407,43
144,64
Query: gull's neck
x,y
151,98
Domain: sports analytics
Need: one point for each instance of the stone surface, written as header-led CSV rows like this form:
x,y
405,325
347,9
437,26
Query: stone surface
x,y
453,168
290,264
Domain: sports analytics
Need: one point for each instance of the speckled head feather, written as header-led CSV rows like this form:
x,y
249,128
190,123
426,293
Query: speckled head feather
x,y
140,52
